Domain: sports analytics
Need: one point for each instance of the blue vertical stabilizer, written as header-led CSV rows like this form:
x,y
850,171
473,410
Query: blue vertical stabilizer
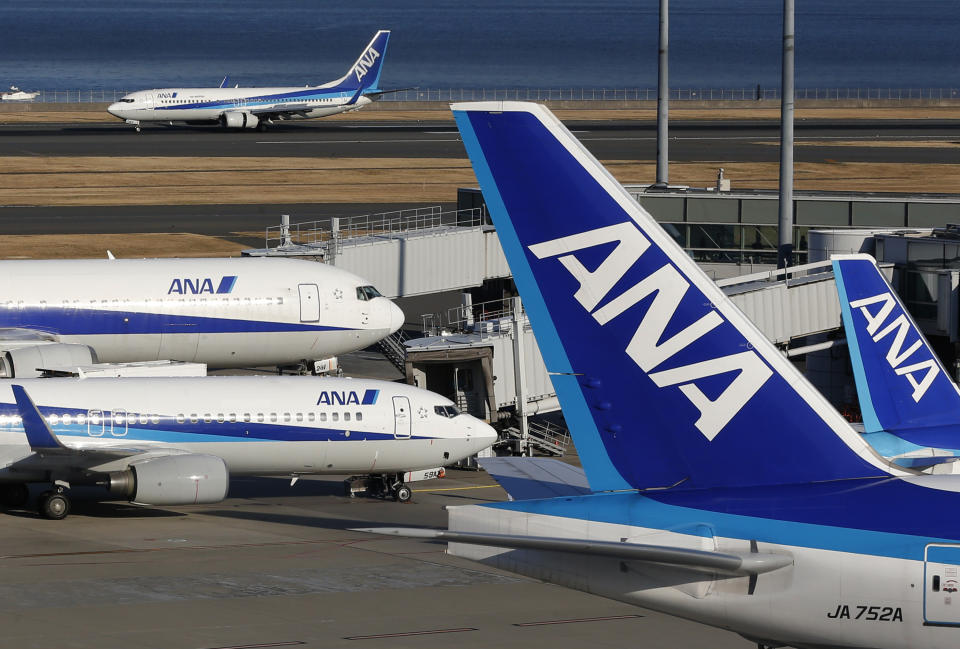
x,y
662,380
902,386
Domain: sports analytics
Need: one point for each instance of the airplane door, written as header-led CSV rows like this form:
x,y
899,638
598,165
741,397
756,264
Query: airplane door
x,y
119,423
941,595
309,303
401,417
149,102
96,424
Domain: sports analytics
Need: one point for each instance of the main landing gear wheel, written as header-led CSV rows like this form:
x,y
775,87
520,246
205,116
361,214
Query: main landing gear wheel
x,y
402,494
14,495
54,506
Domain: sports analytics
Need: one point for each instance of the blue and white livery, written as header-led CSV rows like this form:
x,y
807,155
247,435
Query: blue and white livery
x,y
170,441
725,488
257,107
239,312
910,406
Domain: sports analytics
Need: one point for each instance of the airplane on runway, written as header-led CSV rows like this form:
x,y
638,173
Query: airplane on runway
x,y
723,487
238,312
256,107
177,441
910,405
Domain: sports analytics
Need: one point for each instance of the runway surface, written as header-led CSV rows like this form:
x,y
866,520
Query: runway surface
x,y
277,566
689,141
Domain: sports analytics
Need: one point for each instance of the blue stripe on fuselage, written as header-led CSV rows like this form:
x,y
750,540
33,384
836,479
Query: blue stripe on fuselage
x,y
169,431
81,321
881,517
263,100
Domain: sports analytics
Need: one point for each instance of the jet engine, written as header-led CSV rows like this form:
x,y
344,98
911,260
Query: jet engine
x,y
172,480
26,362
240,119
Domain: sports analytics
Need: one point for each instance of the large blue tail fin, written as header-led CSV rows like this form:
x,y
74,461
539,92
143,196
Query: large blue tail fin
x,y
364,75
902,386
662,379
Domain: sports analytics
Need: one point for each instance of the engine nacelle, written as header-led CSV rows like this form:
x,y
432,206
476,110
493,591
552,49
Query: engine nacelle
x,y
25,362
173,480
240,119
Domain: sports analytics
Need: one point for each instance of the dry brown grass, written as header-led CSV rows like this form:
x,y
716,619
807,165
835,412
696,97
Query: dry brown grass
x,y
85,246
188,181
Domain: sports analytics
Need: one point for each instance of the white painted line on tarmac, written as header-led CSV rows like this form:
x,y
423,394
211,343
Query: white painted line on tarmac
x,y
397,141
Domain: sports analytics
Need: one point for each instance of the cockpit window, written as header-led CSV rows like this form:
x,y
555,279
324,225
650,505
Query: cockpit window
x,y
446,411
126,100
365,293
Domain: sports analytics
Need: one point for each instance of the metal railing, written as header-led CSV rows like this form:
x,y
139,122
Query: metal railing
x,y
347,230
746,93
482,318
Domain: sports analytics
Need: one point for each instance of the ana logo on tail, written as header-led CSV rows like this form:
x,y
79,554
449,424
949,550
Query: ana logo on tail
x,y
896,355
646,348
365,63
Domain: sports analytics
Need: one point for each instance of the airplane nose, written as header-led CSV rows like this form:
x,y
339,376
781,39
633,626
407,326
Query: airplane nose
x,y
396,317
486,435
114,109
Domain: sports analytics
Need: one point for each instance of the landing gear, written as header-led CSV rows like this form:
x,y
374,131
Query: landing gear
x,y
54,505
14,495
380,486
402,493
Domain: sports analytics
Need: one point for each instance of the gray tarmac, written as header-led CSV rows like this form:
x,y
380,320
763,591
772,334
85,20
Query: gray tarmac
x,y
278,566
754,141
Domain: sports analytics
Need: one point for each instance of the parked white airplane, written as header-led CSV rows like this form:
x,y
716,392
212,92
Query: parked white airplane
x,y
238,312
256,107
175,441
723,488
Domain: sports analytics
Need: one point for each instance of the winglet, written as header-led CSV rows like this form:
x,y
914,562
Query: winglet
x,y
39,435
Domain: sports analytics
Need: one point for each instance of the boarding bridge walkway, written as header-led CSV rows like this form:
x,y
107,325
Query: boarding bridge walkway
x,y
428,250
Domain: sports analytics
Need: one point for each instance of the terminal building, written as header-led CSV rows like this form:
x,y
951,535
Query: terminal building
x,y
466,335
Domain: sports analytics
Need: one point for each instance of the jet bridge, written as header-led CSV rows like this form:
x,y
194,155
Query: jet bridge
x,y
484,356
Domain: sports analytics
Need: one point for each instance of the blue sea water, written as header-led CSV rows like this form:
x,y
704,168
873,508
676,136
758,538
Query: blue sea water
x,y
118,44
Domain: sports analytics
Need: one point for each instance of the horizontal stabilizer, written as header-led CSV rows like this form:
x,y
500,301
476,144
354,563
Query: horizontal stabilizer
x,y
727,562
528,478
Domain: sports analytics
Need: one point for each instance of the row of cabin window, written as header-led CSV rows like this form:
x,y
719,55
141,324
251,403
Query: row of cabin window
x,y
191,301
271,417
259,417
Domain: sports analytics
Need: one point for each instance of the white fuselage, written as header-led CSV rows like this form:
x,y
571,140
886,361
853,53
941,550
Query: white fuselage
x,y
257,425
224,312
209,104
845,587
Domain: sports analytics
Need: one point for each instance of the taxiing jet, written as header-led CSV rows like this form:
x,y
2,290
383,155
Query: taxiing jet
x,y
910,405
177,441
238,312
257,107
724,488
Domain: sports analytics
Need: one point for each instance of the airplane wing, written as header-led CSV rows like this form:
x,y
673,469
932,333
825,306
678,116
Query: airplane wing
x,y
378,93
286,110
529,478
18,336
735,563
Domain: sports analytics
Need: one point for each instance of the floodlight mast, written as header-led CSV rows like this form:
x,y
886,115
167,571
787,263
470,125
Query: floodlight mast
x,y
663,99
785,243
